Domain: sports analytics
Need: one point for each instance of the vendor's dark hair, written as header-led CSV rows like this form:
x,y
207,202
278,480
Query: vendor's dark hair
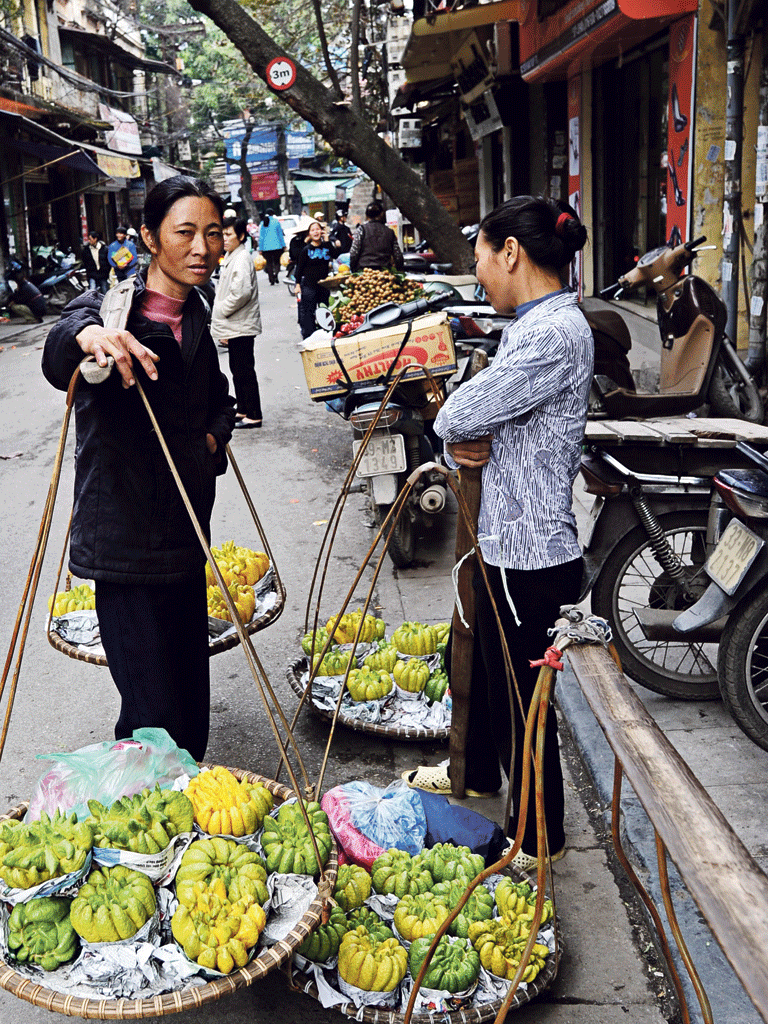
x,y
237,224
374,210
167,192
549,230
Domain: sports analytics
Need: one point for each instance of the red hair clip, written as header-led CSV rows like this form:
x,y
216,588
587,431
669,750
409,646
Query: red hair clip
x,y
560,223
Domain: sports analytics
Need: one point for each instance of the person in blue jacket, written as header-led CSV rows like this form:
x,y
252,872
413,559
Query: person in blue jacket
x,y
271,244
122,255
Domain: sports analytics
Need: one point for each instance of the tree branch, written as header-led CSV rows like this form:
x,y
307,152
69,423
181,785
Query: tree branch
x,y
324,46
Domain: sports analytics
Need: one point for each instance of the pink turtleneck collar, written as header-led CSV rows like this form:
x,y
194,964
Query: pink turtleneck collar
x,y
163,309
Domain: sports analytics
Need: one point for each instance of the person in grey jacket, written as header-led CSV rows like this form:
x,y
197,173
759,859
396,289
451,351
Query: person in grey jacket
x,y
237,320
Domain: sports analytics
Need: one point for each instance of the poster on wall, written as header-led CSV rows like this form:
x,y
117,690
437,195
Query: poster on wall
x,y
574,171
682,48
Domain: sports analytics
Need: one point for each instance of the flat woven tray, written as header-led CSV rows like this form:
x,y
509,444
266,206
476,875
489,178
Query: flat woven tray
x,y
468,1015
393,731
174,1002
215,646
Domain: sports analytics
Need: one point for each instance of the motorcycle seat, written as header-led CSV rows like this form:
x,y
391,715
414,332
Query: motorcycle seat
x,y
750,481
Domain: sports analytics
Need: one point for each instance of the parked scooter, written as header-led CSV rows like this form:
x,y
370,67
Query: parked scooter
x,y
735,604
402,440
699,364
646,549
20,292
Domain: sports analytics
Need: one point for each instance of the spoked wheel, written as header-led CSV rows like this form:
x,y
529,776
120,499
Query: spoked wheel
x,y
743,665
402,541
631,579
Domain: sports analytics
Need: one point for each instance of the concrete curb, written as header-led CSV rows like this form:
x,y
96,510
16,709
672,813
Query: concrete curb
x,y
728,999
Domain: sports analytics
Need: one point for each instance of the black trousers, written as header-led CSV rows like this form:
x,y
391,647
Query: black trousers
x,y
243,368
272,256
156,642
537,595
312,296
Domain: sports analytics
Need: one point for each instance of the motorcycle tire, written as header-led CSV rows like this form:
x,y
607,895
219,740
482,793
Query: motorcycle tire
x,y
630,578
742,665
402,536
730,396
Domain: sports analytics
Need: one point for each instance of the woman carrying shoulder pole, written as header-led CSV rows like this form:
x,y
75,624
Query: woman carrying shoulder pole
x,y
131,531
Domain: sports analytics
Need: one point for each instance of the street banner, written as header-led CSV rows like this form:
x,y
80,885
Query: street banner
x,y
264,186
574,170
682,48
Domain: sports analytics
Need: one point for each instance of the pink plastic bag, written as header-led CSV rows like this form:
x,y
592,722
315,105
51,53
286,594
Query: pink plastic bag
x,y
367,821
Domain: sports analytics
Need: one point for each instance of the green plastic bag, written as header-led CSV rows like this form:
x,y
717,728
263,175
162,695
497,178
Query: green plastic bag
x,y
106,771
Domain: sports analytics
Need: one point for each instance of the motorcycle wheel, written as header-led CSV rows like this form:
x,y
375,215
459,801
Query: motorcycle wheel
x,y
742,665
730,396
402,536
631,578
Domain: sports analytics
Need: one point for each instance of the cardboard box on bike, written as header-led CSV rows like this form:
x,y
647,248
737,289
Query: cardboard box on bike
x,y
369,355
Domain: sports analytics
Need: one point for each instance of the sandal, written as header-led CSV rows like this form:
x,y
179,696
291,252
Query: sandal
x,y
431,779
525,863
437,780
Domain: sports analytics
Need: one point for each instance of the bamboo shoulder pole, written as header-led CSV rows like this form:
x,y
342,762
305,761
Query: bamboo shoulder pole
x,y
462,643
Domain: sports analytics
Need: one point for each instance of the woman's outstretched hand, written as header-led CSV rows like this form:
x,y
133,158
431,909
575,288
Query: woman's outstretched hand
x,y
101,342
471,453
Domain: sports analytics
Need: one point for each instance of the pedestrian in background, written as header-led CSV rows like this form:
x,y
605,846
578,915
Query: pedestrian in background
x,y
271,244
122,255
237,319
131,531
375,244
96,263
313,265
341,234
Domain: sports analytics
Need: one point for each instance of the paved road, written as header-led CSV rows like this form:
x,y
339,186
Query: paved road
x,y
293,468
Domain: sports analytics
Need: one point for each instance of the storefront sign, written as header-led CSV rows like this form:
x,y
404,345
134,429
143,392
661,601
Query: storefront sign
x,y
137,193
124,137
264,186
483,116
471,69
118,166
682,40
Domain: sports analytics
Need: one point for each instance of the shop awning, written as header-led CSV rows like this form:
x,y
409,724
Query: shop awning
x,y
49,146
434,40
320,190
589,34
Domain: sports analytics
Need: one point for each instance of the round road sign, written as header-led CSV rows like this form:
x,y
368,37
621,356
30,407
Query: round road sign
x,y
281,73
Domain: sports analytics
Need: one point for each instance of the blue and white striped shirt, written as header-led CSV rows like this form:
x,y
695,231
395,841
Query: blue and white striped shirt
x,y
533,400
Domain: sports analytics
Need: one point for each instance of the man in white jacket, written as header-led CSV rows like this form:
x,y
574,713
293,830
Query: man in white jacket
x,y
236,320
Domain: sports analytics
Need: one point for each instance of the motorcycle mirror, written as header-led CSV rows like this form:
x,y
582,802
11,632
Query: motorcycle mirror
x,y
325,319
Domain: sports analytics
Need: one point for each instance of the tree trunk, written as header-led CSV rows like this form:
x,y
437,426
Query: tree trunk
x,y
347,134
245,176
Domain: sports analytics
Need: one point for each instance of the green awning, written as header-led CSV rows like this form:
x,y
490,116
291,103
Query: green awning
x,y
323,190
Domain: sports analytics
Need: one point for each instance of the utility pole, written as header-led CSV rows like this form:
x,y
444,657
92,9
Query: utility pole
x,y
734,123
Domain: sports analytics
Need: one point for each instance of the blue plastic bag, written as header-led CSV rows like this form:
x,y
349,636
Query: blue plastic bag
x,y
391,817
106,771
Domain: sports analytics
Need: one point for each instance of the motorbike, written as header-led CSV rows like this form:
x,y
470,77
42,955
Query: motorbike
x,y
699,364
735,602
19,290
403,439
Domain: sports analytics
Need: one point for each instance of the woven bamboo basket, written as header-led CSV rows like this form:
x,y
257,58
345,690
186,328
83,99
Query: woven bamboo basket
x,y
467,1015
414,734
217,646
173,1002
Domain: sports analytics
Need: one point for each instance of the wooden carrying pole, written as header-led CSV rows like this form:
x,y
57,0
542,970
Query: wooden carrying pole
x,y
462,643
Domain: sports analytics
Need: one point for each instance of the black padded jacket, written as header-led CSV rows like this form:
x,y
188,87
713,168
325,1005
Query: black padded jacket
x,y
130,524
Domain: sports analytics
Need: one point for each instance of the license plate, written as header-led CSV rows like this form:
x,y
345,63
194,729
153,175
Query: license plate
x,y
735,552
383,455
